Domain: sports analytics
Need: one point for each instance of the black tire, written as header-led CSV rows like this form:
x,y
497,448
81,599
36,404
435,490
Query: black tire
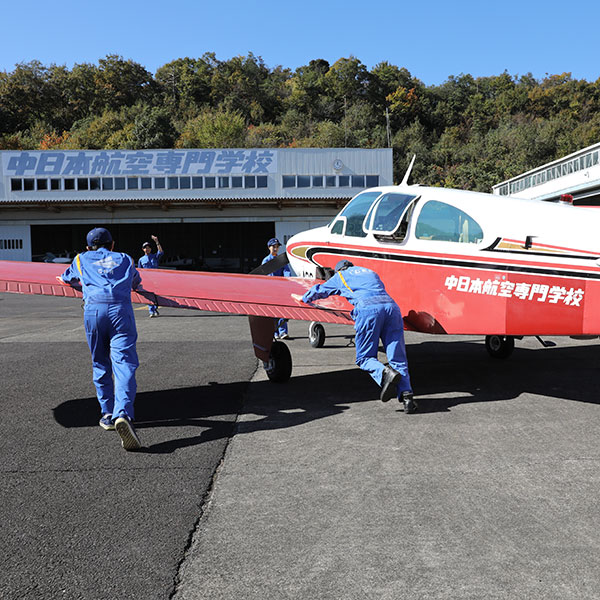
x,y
280,365
499,346
316,334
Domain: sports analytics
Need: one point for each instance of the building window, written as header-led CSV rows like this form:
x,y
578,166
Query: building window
x,y
16,244
42,184
159,183
372,180
69,184
146,183
223,182
119,183
262,181
16,185
184,183
94,183
358,181
237,182
288,181
107,183
173,183
317,180
303,181
83,184
250,181
330,180
344,180
132,183
196,183
55,184
210,182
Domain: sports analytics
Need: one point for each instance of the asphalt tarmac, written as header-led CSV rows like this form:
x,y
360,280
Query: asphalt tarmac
x,y
310,489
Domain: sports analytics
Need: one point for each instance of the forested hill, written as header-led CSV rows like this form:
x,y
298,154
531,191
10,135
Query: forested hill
x,y
468,132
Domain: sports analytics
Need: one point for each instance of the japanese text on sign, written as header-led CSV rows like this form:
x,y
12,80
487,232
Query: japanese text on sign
x,y
523,291
146,162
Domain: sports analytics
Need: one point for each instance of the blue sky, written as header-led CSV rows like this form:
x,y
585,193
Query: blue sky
x,y
433,40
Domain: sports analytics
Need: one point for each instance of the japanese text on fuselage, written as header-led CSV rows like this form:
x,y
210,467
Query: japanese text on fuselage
x,y
538,292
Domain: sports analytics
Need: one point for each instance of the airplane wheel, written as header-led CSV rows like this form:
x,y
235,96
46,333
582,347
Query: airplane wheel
x,y
499,346
279,368
316,334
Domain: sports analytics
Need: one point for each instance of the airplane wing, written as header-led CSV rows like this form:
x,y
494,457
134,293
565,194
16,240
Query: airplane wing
x,y
252,295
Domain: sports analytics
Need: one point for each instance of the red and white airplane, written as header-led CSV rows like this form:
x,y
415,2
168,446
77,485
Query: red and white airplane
x,y
456,262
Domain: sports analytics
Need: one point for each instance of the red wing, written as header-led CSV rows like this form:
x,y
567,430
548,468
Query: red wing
x,y
233,293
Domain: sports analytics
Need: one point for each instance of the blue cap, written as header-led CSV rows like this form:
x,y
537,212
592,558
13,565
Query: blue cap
x,y
98,236
273,242
343,264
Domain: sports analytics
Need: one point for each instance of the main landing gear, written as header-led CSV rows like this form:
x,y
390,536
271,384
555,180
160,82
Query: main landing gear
x,y
502,346
499,346
279,366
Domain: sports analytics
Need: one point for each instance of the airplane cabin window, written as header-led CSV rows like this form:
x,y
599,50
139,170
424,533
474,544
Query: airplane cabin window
x,y
442,222
356,211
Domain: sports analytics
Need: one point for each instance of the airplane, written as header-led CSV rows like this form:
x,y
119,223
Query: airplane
x,y
456,262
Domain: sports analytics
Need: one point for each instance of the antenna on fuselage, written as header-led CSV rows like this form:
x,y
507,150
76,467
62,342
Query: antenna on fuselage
x,y
407,174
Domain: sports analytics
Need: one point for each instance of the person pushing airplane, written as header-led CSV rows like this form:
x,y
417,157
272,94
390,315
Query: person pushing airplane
x,y
107,279
375,316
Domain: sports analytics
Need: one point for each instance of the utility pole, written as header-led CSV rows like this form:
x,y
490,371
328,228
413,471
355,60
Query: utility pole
x,y
387,127
345,125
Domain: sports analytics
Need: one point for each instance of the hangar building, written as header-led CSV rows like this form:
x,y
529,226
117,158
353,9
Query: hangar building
x,y
577,174
211,209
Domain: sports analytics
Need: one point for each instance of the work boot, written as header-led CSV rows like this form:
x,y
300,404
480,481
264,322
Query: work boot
x,y
410,406
389,384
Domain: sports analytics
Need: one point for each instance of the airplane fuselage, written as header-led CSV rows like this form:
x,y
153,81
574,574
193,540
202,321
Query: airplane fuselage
x,y
468,263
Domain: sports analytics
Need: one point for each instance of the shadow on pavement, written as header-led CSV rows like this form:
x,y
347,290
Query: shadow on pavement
x,y
463,370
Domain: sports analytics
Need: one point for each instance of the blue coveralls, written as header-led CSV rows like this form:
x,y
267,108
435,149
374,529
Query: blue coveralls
x,y
107,279
281,325
375,316
150,261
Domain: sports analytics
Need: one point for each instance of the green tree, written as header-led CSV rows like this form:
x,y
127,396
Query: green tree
x,y
214,129
152,128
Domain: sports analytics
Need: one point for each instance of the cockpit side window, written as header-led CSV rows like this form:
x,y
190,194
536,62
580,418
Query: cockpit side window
x,y
439,221
338,226
356,211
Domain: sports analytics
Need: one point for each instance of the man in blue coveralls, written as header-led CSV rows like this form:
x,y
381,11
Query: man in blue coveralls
x,y
273,244
375,316
107,279
150,261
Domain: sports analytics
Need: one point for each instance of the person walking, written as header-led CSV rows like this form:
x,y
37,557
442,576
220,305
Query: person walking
x,y
150,260
376,316
107,278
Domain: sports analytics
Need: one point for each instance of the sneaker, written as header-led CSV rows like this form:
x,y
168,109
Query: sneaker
x,y
410,406
106,422
129,438
284,336
152,315
389,384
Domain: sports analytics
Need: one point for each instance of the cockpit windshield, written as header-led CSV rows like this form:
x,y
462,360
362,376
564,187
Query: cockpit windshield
x,y
389,212
354,215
